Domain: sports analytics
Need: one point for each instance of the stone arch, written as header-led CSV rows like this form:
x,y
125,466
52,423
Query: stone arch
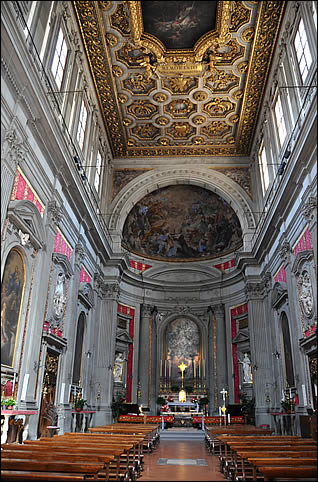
x,y
165,321
203,177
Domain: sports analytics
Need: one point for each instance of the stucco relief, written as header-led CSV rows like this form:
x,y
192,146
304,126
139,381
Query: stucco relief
x,y
306,293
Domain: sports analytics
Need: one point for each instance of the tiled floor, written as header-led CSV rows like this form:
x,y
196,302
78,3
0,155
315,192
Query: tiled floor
x,y
175,449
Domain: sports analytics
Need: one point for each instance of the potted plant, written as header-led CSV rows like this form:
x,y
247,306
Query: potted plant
x,y
2,403
248,408
286,406
203,402
118,406
161,402
9,403
79,404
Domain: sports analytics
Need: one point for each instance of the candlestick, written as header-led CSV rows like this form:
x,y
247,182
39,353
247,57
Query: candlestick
x,y
203,367
290,394
219,411
199,368
169,368
161,368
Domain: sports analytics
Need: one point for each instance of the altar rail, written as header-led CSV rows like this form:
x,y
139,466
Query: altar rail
x,y
197,421
168,419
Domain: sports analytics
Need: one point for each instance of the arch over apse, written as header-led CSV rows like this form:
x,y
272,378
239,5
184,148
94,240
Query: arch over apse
x,y
203,177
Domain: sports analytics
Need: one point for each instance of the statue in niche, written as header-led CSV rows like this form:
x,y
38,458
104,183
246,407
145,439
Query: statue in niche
x,y
247,374
306,295
118,368
59,298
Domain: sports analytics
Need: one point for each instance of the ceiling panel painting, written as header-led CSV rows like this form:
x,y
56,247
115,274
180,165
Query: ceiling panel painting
x,y
182,223
179,25
179,78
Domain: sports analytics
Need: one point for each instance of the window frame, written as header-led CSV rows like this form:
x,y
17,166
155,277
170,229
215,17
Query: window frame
x,y
303,55
262,165
79,125
98,170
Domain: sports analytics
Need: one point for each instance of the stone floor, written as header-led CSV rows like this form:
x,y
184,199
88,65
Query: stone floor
x,y
181,456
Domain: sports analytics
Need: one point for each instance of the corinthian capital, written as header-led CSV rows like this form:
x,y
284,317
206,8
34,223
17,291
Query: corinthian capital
x,y
254,290
285,250
54,213
310,208
13,150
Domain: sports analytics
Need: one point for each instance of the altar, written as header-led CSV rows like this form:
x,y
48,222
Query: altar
x,y
183,412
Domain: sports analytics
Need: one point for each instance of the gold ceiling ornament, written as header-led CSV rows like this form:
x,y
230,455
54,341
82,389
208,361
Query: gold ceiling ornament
x,y
117,71
180,107
200,96
240,15
139,83
248,34
162,121
160,97
164,141
238,94
123,98
127,122
219,106
131,142
242,67
119,19
181,130
145,131
234,118
198,120
180,84
221,81
104,5
142,109
111,39
216,128
198,140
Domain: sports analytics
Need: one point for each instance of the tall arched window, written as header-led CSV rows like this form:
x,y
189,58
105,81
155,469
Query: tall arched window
x,y
12,290
288,357
77,368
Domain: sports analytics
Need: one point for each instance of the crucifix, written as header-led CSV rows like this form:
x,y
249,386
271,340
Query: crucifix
x,y
182,368
224,394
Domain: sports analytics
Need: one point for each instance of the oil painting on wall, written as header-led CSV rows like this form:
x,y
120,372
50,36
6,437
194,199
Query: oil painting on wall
x,y
178,25
181,223
11,301
183,345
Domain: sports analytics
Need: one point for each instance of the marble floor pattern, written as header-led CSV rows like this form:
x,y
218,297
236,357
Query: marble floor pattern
x,y
188,450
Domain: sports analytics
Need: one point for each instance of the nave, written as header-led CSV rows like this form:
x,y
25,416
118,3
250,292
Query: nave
x,y
181,455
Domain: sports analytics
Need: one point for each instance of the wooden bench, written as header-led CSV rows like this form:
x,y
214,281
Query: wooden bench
x,y
23,468
288,473
280,462
121,468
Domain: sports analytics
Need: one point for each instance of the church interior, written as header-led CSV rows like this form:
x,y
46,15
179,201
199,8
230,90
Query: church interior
x,y
158,215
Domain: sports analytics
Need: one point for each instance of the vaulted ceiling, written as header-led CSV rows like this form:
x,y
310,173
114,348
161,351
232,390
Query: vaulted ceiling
x,y
179,78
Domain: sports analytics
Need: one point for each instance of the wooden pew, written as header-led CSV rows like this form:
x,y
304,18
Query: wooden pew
x,y
288,473
121,468
280,462
23,469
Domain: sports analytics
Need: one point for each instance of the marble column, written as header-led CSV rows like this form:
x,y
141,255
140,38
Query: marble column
x,y
70,334
211,383
105,346
309,212
144,354
221,353
12,153
259,328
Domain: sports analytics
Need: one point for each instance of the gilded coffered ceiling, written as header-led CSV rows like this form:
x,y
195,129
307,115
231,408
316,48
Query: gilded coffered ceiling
x,y
179,78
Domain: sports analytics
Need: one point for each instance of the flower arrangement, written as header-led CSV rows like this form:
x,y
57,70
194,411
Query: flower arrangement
x,y
79,404
9,403
287,405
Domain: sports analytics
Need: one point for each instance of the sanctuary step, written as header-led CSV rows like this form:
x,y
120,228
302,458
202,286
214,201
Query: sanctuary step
x,y
185,434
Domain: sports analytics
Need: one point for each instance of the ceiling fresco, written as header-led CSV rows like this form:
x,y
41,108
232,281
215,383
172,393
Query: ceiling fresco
x,y
183,80
182,223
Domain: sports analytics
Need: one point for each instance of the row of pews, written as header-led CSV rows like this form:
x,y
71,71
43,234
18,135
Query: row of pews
x,y
252,453
111,452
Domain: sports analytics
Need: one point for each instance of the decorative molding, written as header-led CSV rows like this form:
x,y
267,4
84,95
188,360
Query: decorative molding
x,y
79,254
285,250
86,294
54,213
309,210
26,218
62,259
279,294
254,290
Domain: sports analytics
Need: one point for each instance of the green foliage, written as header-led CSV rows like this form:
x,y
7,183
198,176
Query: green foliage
x,y
118,406
248,407
286,405
188,389
203,401
9,402
161,401
79,403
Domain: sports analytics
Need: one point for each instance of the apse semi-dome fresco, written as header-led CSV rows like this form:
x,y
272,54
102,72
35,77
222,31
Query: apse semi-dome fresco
x,y
182,223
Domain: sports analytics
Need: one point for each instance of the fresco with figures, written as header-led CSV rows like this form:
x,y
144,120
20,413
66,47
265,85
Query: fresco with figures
x,y
178,25
183,345
11,299
182,223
